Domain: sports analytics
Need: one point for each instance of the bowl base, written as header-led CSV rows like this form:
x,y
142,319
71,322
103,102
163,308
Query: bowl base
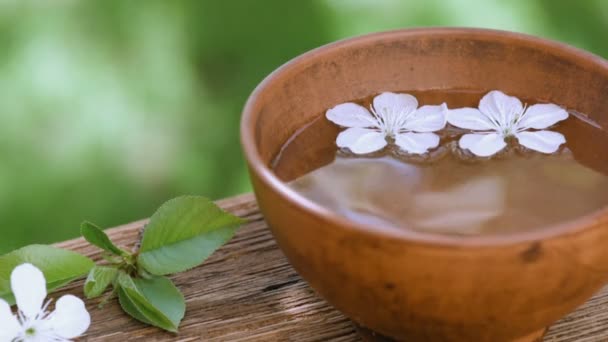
x,y
372,336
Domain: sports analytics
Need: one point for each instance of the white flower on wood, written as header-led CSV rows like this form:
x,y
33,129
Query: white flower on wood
x,y
33,323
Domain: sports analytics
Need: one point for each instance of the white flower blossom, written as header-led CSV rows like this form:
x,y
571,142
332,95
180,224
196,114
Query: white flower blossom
x,y
394,116
33,322
500,116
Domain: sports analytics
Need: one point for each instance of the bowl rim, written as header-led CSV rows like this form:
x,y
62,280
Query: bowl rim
x,y
267,176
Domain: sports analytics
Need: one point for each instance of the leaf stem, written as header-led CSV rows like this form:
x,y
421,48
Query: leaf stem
x,y
108,297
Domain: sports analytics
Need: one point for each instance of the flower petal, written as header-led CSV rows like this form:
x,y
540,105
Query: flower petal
x,y
351,115
417,143
361,140
501,107
395,103
9,325
29,288
70,318
483,145
428,119
541,141
470,118
541,116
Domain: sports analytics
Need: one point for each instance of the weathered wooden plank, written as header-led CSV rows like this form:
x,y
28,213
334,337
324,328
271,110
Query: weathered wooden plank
x,y
248,292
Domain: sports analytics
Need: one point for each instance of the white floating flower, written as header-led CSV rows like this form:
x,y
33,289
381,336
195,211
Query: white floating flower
x,y
500,116
33,322
394,116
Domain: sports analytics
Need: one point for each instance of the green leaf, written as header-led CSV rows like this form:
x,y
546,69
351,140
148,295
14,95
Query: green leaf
x,y
129,307
95,236
183,233
154,301
140,307
99,278
59,266
162,293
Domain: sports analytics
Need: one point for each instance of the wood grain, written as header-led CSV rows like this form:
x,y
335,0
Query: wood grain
x,y
247,291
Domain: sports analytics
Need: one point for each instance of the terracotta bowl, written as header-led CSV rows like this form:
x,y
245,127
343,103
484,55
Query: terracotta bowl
x,y
416,286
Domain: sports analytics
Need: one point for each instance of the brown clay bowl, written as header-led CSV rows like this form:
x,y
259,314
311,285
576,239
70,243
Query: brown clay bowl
x,y
416,286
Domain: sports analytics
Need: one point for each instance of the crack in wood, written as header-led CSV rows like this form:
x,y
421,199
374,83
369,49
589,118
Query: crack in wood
x,y
280,285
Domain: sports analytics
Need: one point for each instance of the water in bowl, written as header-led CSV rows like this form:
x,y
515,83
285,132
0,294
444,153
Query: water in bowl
x,y
449,191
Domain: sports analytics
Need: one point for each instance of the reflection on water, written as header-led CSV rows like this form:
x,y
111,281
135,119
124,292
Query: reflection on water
x,y
463,208
453,197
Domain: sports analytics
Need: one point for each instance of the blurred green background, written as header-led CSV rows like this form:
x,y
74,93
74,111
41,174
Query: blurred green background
x,y
108,108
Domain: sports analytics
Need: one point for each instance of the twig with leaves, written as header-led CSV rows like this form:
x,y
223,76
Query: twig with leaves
x,y
179,236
